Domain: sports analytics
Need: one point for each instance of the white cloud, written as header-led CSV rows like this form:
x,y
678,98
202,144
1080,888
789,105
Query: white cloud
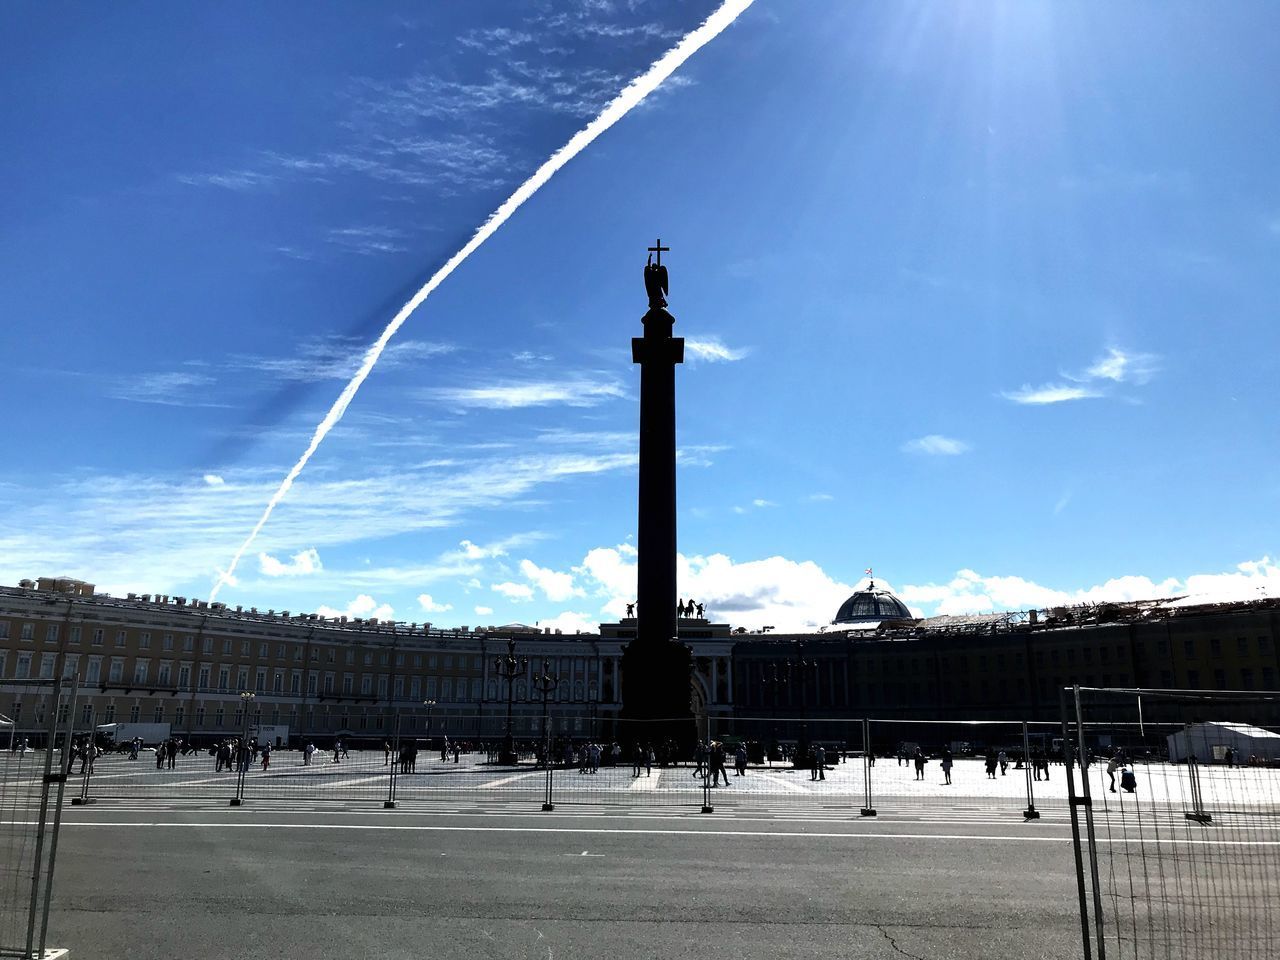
x,y
761,502
557,586
1050,393
1121,367
213,480
511,396
484,611
819,497
972,592
1116,366
569,622
362,606
936,445
513,591
712,350
301,564
429,605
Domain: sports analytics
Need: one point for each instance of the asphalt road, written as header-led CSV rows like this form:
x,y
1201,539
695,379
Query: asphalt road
x,y
247,883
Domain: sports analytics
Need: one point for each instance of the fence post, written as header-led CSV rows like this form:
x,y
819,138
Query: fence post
x,y
706,773
1197,799
1068,765
1031,813
57,810
90,754
548,802
390,802
867,809
49,778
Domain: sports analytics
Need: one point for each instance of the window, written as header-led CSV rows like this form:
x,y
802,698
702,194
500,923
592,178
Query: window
x,y
207,645
120,638
431,688
188,644
29,631
384,659
97,637
398,688
199,716
366,684
295,682
368,658
3,655
448,661
1268,678
1189,647
47,664
109,714
280,652
144,641
157,715
163,678
242,680
184,676
4,629
167,643
69,669
1246,678
51,633
86,715
262,651
244,648
447,688
347,682
417,659
297,651
1104,654
140,668
1242,645
115,673
74,637
178,715
226,647
475,688
134,711
399,659
203,678
217,717
382,686
277,683
311,684
94,673
1215,646
260,681
1193,679
415,687
328,683
477,662
1264,646
431,661
224,679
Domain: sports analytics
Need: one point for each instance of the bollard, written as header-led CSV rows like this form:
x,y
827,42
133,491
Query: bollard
x,y
867,809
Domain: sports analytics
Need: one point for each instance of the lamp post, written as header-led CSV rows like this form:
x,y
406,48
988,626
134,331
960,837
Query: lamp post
x,y
509,667
544,682
800,668
773,680
242,755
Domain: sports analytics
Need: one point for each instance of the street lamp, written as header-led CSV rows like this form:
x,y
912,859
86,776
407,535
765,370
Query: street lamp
x,y
242,758
509,667
544,682
773,680
800,668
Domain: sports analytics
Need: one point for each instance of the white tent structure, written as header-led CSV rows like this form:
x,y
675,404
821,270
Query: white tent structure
x,y
1208,742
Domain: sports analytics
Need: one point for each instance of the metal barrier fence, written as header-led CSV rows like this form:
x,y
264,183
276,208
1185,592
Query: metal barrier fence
x,y
984,768
1175,800
32,781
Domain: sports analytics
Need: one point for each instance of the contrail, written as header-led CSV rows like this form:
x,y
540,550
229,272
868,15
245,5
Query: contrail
x,y
630,97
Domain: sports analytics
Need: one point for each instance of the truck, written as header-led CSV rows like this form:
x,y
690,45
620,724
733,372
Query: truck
x,y
112,735
276,734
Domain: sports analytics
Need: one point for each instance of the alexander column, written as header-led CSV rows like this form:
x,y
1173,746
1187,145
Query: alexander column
x,y
656,666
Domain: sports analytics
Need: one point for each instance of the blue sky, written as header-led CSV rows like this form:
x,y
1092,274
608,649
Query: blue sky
x,y
982,295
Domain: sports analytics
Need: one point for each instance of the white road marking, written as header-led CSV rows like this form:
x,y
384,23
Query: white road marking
x,y
490,784
646,783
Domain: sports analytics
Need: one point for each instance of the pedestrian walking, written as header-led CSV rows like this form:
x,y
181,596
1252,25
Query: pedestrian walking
x,y
266,756
946,765
159,755
740,761
992,762
919,761
1003,759
649,758
337,751
1113,766
386,753
637,760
